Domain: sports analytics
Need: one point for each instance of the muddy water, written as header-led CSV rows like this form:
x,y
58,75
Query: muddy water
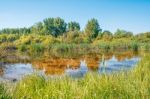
x,y
74,67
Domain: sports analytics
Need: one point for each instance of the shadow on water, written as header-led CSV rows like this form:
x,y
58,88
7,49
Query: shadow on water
x,y
74,67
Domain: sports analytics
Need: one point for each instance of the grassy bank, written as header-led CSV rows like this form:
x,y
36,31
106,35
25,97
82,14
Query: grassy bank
x,y
35,43
72,50
131,85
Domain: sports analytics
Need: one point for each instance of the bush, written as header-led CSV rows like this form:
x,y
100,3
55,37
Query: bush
x,y
25,39
135,46
36,48
3,38
23,48
12,37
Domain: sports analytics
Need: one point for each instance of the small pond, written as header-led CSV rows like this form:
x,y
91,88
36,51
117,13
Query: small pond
x,y
74,67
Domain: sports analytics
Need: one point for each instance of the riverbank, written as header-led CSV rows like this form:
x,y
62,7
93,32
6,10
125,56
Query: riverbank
x,y
133,84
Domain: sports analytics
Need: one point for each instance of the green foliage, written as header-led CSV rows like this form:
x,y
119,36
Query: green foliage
x,y
22,48
3,38
122,33
55,26
104,46
20,31
3,93
143,37
53,30
25,39
92,29
135,46
36,48
48,40
73,26
39,29
75,37
107,35
146,47
8,38
71,50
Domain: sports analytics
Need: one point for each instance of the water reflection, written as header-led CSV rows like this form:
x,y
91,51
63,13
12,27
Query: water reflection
x,y
16,71
56,66
75,67
79,72
113,65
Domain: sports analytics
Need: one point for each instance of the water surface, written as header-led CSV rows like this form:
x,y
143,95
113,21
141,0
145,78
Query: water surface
x,y
74,67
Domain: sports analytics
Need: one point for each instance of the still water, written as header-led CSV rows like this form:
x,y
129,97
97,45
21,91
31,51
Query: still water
x,y
74,67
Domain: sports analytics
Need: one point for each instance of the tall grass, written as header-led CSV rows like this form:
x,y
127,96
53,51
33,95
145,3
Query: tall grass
x,y
3,92
36,48
69,50
133,84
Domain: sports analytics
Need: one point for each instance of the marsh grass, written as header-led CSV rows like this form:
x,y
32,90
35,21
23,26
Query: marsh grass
x,y
36,48
133,84
3,92
69,50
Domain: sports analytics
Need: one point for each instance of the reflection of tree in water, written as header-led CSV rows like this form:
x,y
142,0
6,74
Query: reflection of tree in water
x,y
92,62
56,66
126,54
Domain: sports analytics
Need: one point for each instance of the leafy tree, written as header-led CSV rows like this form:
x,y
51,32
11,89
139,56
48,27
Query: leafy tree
x,y
76,37
55,26
143,37
73,26
107,35
38,28
24,31
92,29
122,33
19,31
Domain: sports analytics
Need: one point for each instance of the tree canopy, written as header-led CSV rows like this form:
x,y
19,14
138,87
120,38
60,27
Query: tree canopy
x,y
55,26
122,33
58,27
92,29
73,26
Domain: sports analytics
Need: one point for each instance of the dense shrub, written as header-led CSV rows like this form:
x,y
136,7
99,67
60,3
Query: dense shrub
x,y
36,48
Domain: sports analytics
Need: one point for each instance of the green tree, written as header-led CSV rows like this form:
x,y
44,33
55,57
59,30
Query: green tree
x,y
73,26
107,35
39,28
55,26
92,29
122,33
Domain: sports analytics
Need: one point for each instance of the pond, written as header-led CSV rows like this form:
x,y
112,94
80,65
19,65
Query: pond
x,y
74,67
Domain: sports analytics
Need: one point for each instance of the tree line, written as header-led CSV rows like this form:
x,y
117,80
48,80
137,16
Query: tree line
x,y
57,27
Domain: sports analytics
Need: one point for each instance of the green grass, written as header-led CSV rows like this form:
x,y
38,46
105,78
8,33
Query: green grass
x,y
36,48
39,44
3,92
69,50
133,84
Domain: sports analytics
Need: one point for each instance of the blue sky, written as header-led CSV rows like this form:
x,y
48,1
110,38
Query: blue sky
x,y
131,15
